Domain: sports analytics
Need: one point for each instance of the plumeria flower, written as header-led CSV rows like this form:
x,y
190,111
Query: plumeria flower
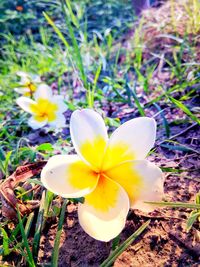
x,y
45,109
111,174
28,83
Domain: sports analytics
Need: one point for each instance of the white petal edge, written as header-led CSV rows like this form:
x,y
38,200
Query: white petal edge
x,y
59,122
59,100
24,103
139,134
153,185
22,90
36,124
104,226
35,78
54,177
28,77
25,78
22,74
43,91
87,125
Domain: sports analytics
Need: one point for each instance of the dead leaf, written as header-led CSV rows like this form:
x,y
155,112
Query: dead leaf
x,y
8,198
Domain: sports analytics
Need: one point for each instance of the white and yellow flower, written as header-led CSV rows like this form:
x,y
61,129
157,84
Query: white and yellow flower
x,y
112,174
45,109
28,83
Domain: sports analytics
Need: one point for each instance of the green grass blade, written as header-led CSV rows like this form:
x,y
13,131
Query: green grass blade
x,y
128,94
180,148
2,168
2,155
77,55
29,223
73,17
137,101
174,204
194,215
25,240
57,31
8,156
98,71
115,242
55,254
197,200
6,250
175,88
109,261
180,105
16,231
165,122
45,147
35,181
38,227
47,203
174,170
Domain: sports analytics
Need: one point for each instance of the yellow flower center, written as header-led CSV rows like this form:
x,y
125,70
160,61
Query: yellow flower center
x,y
105,165
32,88
104,197
95,159
44,110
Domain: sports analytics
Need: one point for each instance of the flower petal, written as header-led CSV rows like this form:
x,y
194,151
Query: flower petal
x,y
89,136
21,73
103,214
35,78
68,176
25,78
22,90
154,185
132,140
43,91
28,77
141,179
59,122
35,124
25,103
59,100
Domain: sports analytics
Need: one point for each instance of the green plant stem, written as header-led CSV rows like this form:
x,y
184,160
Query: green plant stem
x,y
174,204
109,261
55,254
30,256
38,226
29,223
